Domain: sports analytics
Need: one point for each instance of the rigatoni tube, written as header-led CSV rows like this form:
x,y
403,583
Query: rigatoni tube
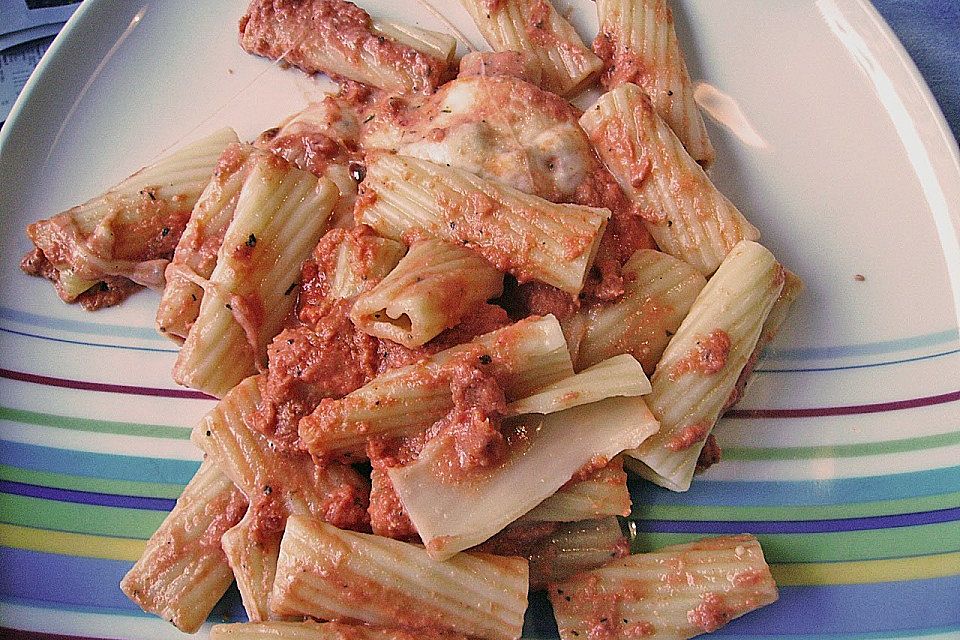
x,y
253,560
535,26
331,574
132,228
284,481
338,37
618,376
405,198
681,208
523,357
183,571
659,290
602,493
638,43
675,592
432,289
196,252
701,364
280,215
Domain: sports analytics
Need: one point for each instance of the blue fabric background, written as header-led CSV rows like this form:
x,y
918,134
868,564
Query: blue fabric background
x,y
930,31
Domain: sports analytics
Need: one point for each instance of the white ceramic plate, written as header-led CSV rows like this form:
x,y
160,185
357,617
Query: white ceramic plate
x,y
843,456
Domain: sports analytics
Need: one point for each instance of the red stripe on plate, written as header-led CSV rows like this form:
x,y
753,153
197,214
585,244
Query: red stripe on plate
x,y
102,387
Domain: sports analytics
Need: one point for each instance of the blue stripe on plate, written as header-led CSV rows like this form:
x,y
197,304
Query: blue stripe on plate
x,y
96,465
868,348
79,326
86,344
870,365
835,609
705,492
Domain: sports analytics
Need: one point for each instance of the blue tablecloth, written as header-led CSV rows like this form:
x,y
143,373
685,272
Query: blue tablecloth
x,y
930,31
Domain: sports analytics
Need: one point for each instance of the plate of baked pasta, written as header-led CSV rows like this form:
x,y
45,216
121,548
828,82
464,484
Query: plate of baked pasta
x,y
486,320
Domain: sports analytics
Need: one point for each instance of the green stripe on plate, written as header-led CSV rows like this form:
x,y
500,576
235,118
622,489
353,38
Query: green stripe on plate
x,y
92,485
844,546
781,548
794,513
116,522
94,426
843,450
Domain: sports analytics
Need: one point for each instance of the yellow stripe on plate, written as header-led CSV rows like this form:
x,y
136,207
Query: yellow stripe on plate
x,y
786,575
71,544
867,571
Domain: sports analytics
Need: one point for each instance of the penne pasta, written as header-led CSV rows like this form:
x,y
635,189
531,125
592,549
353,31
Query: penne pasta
x,y
183,571
311,630
432,289
687,216
196,252
659,290
533,239
551,450
701,364
535,26
675,592
522,357
131,230
619,376
601,493
388,582
638,43
281,213
340,39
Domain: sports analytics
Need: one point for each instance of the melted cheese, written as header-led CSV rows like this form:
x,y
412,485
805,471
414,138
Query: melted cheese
x,y
506,130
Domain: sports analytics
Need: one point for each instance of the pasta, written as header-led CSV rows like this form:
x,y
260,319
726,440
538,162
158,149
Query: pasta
x,y
196,252
525,356
337,37
490,501
703,361
530,238
183,571
397,584
280,215
429,306
687,216
675,592
432,288
124,237
535,26
659,291
599,494
638,43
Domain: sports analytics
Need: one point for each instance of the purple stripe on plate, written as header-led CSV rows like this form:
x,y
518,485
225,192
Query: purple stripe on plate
x,y
20,634
800,526
86,497
849,410
813,412
84,385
